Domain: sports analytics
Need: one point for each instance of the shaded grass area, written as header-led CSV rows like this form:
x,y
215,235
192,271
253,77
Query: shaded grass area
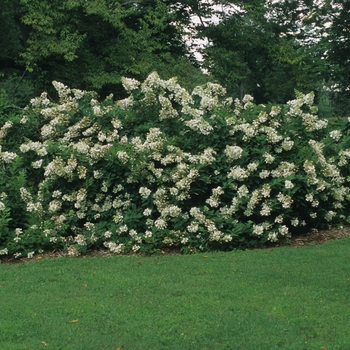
x,y
282,298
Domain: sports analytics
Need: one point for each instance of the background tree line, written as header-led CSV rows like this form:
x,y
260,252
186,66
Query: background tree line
x,y
264,48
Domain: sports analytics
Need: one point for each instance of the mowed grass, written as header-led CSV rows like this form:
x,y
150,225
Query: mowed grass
x,y
281,298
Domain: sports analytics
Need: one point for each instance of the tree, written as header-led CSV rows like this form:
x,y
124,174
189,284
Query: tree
x,y
244,54
92,44
339,53
268,49
322,28
13,78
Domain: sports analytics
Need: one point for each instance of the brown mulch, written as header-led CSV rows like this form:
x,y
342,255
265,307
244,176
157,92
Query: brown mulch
x,y
317,237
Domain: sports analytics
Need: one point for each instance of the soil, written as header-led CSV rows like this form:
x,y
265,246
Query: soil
x,y
317,237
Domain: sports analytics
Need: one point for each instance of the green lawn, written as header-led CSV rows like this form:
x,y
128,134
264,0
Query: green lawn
x,y
282,298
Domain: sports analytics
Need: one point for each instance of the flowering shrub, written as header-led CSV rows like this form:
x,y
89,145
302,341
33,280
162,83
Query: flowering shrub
x,y
168,168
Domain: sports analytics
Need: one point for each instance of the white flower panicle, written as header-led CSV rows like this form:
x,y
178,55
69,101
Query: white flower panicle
x,y
287,144
268,158
144,192
285,200
284,170
130,84
214,199
7,157
238,173
335,134
233,152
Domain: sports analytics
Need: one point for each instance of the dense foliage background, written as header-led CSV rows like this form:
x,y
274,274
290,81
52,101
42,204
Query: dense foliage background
x,y
257,47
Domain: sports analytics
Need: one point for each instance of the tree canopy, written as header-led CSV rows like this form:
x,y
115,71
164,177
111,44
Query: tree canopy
x,y
261,47
92,44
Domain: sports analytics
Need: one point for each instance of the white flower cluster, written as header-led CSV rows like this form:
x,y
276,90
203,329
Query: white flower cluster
x,y
255,198
284,170
38,147
287,144
209,95
271,134
335,134
7,157
59,168
130,84
4,128
344,156
248,101
238,173
248,130
213,200
200,125
285,200
233,152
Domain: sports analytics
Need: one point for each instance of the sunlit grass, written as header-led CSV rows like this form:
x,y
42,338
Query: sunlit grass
x,y
282,298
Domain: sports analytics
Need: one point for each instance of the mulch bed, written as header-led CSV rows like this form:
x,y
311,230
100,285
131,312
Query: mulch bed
x,y
317,237
320,237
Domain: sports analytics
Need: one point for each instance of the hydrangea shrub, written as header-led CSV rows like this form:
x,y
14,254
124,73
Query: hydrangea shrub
x,y
168,168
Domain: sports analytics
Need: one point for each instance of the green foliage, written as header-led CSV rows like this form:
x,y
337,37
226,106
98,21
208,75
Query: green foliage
x,y
12,174
339,43
256,46
259,46
168,168
89,45
10,31
92,44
